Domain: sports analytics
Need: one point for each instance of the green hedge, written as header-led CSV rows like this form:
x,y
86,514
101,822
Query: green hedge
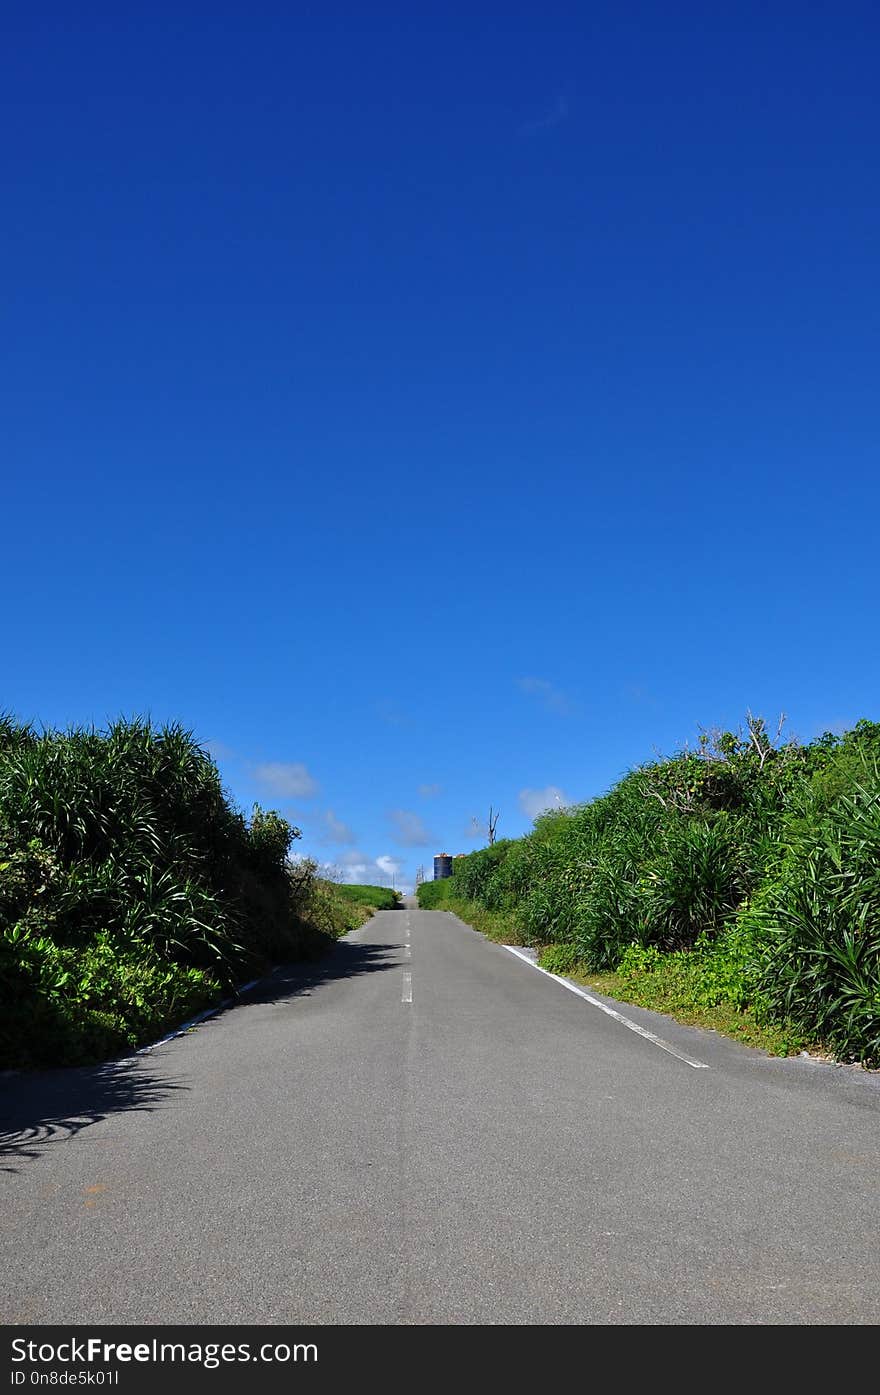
x,y
378,898
759,859
131,891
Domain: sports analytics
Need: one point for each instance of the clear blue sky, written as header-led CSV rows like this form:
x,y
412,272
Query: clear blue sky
x,y
439,405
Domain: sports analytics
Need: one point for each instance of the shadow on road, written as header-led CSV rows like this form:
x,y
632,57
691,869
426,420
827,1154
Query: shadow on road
x,y
44,1107
51,1106
347,959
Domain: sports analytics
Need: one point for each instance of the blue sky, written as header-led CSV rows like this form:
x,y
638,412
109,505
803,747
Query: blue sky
x,y
439,406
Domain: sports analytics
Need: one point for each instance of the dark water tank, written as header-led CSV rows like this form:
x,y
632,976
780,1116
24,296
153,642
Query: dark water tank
x,y
442,866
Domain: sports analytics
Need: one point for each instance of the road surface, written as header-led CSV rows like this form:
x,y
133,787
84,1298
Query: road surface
x,y
426,1129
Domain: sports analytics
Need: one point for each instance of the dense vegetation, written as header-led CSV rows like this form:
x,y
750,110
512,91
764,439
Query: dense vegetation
x,y
375,898
333,908
132,893
747,870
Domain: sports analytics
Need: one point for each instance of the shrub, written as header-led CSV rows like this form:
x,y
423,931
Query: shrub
x,y
376,898
433,895
130,888
608,915
695,881
815,927
748,871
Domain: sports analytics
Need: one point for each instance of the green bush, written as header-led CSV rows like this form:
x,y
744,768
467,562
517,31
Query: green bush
x,y
695,881
747,870
131,890
327,911
74,1005
432,896
608,915
377,898
815,926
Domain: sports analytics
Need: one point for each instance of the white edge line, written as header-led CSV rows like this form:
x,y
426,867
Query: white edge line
x,y
201,1017
618,1016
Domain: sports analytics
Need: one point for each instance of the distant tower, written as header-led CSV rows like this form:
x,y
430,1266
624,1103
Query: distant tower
x,y
420,876
442,866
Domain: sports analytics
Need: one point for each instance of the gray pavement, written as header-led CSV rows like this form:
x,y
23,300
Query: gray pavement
x,y
496,1150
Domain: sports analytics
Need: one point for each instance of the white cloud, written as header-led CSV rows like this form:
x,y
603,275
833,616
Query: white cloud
x,y
410,829
535,802
351,866
430,791
355,866
357,872
552,699
390,866
335,831
290,780
350,858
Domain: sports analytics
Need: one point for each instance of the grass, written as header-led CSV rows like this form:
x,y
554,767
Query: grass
x,y
499,926
336,908
375,898
669,989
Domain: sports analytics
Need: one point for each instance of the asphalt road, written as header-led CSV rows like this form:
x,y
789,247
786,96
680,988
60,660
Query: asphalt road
x,y
425,1129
